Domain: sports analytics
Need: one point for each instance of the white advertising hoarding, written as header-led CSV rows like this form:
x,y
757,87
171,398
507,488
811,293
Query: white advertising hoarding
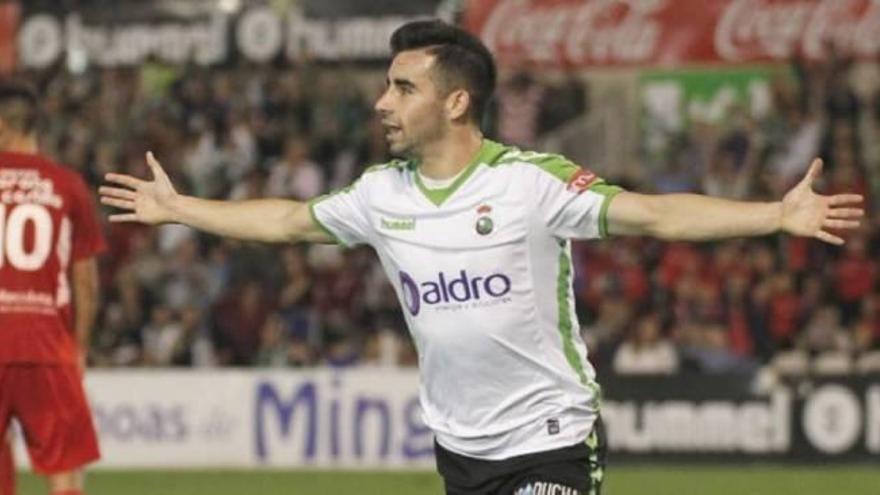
x,y
358,418
370,418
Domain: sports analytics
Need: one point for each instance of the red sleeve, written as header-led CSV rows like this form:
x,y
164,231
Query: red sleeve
x,y
88,239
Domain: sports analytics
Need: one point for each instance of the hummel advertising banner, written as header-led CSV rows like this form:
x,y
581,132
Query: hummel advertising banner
x,y
673,32
706,418
137,32
370,418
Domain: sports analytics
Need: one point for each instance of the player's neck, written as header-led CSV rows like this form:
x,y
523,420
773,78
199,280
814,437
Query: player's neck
x,y
449,156
18,144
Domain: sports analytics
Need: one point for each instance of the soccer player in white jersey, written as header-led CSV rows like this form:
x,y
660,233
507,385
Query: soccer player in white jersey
x,y
475,237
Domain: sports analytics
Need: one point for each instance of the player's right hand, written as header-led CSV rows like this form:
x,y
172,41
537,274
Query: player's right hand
x,y
143,201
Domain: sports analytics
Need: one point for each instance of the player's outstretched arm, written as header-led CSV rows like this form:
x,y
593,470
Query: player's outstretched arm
x,y
155,202
692,217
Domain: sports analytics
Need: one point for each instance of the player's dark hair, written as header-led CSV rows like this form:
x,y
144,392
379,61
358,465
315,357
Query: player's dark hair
x,y
19,106
460,58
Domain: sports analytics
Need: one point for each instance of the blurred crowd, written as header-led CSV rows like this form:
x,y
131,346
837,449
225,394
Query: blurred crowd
x,y
795,304
175,297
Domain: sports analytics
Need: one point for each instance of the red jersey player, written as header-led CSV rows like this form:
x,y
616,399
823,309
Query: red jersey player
x,y
49,237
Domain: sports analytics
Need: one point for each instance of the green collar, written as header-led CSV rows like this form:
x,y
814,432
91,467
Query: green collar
x,y
489,152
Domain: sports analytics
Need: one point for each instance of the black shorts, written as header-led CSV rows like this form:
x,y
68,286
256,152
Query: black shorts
x,y
574,470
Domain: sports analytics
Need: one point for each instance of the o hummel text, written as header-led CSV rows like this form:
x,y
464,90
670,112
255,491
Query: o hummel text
x,y
398,224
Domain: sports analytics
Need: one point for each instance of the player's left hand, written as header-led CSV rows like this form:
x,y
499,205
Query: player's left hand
x,y
807,214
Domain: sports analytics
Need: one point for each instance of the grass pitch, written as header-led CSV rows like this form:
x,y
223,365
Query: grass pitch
x,y
629,480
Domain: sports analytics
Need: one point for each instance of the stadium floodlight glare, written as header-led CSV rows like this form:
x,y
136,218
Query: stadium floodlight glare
x,y
229,6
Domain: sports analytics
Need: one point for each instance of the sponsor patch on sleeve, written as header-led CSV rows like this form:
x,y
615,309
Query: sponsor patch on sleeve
x,y
581,181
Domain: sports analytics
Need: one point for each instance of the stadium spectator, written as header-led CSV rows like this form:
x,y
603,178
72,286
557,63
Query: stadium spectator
x,y
274,347
519,109
239,317
563,102
193,348
867,333
704,347
855,277
646,351
295,295
824,332
160,336
295,176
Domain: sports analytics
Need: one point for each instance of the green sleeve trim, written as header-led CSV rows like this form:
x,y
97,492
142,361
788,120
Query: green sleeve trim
x,y
397,164
608,191
560,167
320,224
556,165
563,169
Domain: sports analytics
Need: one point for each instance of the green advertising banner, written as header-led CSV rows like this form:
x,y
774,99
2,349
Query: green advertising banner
x,y
673,100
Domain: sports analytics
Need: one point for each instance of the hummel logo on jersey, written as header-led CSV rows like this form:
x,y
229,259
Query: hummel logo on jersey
x,y
546,488
581,181
398,223
450,292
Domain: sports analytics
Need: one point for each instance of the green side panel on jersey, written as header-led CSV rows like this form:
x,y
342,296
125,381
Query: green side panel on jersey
x,y
563,289
489,152
608,191
311,205
566,327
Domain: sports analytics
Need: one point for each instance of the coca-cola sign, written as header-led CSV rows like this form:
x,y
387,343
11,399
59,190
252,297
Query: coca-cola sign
x,y
670,32
749,29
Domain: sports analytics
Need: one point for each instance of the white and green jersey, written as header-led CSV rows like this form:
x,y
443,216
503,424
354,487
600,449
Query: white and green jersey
x,y
483,271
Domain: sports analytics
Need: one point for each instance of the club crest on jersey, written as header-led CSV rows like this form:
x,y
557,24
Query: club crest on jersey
x,y
581,181
484,225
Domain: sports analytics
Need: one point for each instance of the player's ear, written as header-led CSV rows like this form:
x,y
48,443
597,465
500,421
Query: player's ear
x,y
457,104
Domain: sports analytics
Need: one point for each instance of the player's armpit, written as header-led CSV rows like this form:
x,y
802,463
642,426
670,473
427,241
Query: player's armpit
x,y
306,227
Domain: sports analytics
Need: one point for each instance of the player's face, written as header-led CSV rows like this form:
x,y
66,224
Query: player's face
x,y
411,108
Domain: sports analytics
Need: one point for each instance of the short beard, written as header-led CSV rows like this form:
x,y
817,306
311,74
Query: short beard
x,y
414,149
405,152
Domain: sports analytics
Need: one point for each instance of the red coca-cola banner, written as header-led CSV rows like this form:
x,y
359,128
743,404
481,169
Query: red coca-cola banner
x,y
673,32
